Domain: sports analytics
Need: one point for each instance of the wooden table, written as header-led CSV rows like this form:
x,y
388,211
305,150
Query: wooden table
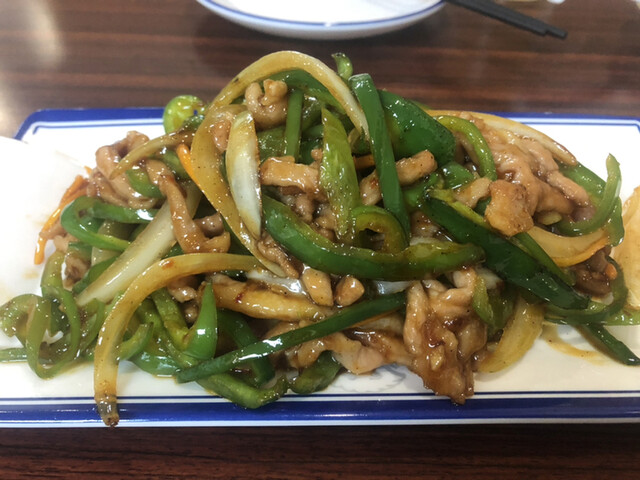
x,y
120,53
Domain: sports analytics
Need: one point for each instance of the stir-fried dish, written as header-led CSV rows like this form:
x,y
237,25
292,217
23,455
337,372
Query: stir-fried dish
x,y
304,223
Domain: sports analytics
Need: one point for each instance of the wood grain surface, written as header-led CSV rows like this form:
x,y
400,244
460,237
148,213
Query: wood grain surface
x,y
122,53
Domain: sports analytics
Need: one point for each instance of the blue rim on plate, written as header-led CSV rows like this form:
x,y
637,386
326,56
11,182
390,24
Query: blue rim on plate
x,y
356,408
321,30
518,407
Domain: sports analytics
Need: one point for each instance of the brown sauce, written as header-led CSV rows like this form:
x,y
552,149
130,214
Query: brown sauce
x,y
552,338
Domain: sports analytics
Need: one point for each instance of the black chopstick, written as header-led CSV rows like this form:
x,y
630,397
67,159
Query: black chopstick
x,y
507,15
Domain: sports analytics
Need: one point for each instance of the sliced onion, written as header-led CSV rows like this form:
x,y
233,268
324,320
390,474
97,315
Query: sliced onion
x,y
156,276
290,60
500,123
207,171
154,145
388,288
523,328
627,254
260,301
294,285
154,241
567,251
242,164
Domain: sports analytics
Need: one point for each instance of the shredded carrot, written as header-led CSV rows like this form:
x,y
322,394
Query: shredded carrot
x,y
184,154
75,190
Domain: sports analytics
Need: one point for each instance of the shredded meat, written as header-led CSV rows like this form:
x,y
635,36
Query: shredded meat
x,y
547,169
592,275
473,192
75,268
268,109
272,250
442,334
318,285
422,226
117,190
184,289
348,290
325,222
409,170
284,173
526,162
211,225
187,232
507,210
220,132
304,206
363,353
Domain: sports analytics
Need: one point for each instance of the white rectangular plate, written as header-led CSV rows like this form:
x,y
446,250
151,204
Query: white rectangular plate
x,y
545,386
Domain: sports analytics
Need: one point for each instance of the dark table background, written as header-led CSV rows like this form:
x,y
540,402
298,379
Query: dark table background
x,y
122,53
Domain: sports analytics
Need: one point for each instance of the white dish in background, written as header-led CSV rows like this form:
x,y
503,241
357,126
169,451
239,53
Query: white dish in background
x,y
328,20
545,386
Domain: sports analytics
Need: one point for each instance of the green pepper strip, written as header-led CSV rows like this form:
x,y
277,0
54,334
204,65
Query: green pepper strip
x,y
614,347
318,376
63,351
47,315
160,357
338,176
271,142
136,343
92,274
302,80
172,317
225,384
179,110
311,111
480,302
493,309
381,148
414,262
14,314
341,320
625,316
371,217
236,390
155,364
15,354
605,207
529,245
80,219
455,175
507,260
414,194
523,239
171,160
596,312
95,313
141,183
52,273
308,146
293,126
235,326
202,338
344,67
412,130
99,209
197,341
481,154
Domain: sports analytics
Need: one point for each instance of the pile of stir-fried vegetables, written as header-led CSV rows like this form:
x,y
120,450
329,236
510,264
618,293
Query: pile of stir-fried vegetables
x,y
304,222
